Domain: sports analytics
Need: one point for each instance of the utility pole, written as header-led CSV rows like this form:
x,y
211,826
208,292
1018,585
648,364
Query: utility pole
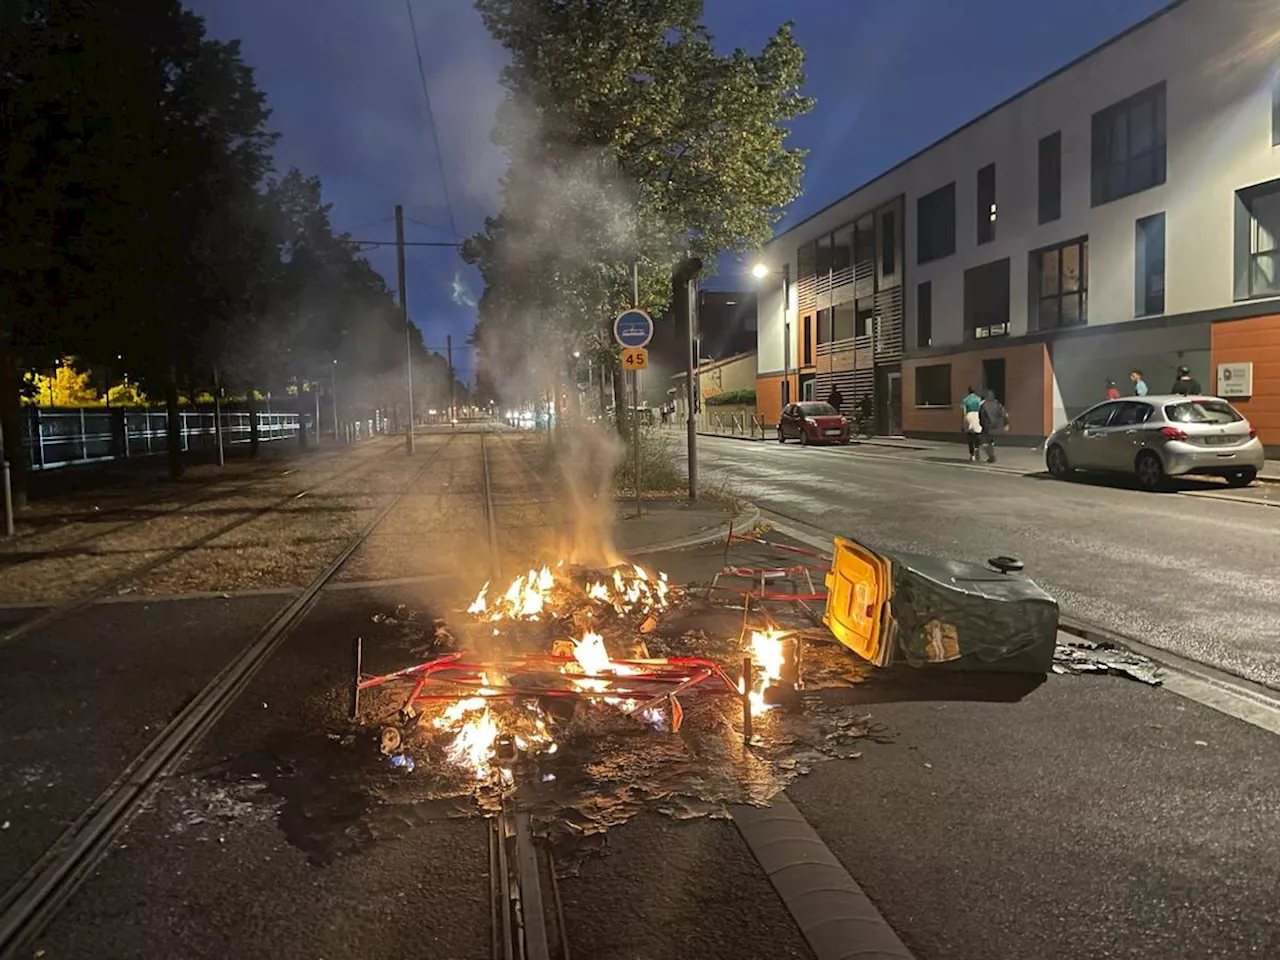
x,y
635,393
217,417
684,289
333,396
404,318
6,487
448,355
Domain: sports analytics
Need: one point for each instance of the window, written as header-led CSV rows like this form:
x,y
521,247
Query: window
x,y
1099,416
842,322
1060,285
924,314
986,300
1257,252
1149,266
1129,146
1130,414
1202,411
888,244
806,389
1051,177
808,342
864,242
824,326
1275,113
840,254
862,322
936,224
933,385
986,213
823,257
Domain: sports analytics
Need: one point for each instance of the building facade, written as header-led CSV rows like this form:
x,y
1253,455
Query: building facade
x,y
1122,214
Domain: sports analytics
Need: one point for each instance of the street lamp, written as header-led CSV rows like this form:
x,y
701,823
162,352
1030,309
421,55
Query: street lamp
x,y
760,271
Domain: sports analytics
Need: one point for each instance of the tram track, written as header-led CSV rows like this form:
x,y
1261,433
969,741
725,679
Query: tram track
x,y
45,887
69,607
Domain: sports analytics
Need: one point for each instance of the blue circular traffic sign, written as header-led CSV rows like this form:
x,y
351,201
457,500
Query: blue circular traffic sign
x,y
633,328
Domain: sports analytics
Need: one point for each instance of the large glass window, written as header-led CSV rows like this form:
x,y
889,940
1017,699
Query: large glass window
x,y
842,322
1129,146
807,344
986,300
1258,241
936,224
888,244
1060,278
824,326
933,385
1051,177
864,241
924,314
1149,266
986,212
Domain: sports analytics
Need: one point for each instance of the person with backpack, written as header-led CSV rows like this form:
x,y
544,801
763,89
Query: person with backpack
x,y
995,420
1186,384
970,406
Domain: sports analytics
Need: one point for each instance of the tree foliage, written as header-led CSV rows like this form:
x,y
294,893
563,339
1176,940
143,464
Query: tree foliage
x,y
144,230
629,140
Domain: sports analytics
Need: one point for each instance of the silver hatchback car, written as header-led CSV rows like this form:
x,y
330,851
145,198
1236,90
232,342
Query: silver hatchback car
x,y
1157,437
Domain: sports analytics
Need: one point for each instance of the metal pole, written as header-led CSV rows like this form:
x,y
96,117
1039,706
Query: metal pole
x,y
453,397
747,680
786,333
316,386
404,318
684,281
635,396
333,396
217,418
6,482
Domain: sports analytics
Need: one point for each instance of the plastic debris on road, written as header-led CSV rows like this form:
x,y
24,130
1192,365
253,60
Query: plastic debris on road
x,y
1078,655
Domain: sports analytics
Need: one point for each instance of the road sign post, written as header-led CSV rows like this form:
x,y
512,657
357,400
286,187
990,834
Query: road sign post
x,y
633,329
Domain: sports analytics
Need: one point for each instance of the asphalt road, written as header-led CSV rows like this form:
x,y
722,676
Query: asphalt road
x,y
1195,575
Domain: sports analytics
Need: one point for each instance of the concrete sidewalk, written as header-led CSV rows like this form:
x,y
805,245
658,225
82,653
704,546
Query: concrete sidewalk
x,y
1023,459
677,524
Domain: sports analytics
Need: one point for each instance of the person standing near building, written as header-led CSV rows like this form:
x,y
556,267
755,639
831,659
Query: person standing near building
x,y
971,406
1139,385
1186,384
995,420
835,398
1113,392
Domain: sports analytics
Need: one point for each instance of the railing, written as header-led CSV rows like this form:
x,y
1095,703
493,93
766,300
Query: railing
x,y
733,424
54,438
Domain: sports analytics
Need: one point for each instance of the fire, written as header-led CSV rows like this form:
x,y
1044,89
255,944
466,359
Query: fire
x,y
768,659
629,589
591,654
473,746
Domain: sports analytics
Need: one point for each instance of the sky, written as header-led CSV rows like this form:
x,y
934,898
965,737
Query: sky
x,y
889,77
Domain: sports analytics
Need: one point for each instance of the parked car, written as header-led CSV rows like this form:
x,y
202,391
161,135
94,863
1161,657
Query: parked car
x,y
812,422
1157,437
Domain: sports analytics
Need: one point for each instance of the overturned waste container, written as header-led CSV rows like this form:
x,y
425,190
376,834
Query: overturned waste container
x,y
892,608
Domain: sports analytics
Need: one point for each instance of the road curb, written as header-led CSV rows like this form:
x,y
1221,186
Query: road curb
x,y
833,913
745,520
731,436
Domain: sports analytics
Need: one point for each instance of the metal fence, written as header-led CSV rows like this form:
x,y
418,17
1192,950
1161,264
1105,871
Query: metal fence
x,y
740,424
58,438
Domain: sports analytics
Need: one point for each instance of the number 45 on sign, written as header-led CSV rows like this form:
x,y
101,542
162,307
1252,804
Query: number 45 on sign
x,y
635,358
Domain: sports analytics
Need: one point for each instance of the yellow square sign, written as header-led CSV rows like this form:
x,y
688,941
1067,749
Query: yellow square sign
x,y
635,358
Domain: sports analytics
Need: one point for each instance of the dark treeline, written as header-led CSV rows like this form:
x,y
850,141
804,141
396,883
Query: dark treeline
x,y
143,219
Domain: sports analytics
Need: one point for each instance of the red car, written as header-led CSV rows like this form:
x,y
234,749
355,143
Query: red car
x,y
812,422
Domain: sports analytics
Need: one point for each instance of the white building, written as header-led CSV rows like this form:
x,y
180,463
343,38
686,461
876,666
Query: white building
x,y
1123,213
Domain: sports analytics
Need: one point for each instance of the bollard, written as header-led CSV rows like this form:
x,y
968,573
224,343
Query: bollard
x,y
357,652
747,680
6,482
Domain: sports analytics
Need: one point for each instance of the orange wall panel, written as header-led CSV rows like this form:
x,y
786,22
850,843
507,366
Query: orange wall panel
x,y
1028,380
769,396
1257,341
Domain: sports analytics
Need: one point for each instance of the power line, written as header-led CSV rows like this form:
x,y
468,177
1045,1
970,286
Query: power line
x,y
431,119
407,243
428,226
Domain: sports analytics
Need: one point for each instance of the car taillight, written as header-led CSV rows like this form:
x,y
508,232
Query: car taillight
x,y
1173,433
1253,433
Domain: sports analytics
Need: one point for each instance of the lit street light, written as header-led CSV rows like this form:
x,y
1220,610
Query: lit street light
x,y
759,271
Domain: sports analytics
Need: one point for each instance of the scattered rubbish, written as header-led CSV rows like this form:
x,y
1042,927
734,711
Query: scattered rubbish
x,y
1079,655
403,760
264,704
1202,743
390,741
5,825
928,766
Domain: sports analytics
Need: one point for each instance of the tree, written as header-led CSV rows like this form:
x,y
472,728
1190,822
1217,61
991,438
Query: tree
x,y
67,387
629,139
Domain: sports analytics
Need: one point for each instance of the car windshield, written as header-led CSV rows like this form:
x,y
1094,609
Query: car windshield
x,y
1202,411
817,410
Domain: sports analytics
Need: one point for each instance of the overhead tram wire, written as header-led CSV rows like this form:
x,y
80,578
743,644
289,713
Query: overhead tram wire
x,y
431,119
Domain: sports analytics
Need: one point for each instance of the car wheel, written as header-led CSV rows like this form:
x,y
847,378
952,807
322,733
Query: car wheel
x,y
1150,471
1242,477
1056,460
781,438
804,438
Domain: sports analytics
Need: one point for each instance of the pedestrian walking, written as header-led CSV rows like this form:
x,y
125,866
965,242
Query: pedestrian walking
x,y
971,421
1112,392
864,415
995,420
1139,385
1186,384
835,398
